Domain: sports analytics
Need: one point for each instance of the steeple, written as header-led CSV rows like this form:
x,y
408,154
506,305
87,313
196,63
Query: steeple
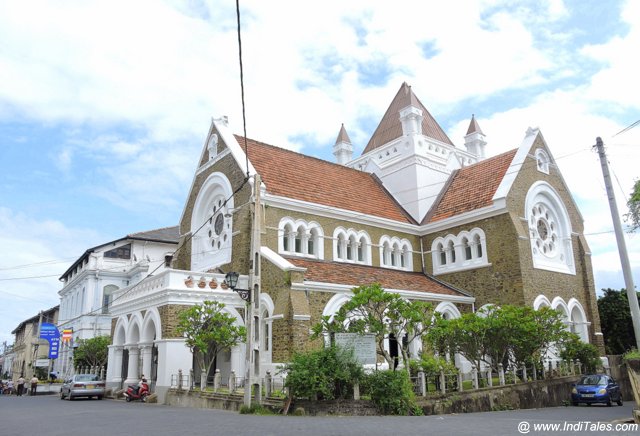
x,y
343,150
391,127
474,140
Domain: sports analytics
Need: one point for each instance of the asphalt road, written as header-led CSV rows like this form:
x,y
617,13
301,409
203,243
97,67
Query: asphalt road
x,y
49,416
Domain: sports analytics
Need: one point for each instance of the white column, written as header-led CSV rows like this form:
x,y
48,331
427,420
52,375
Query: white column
x,y
114,367
132,374
145,350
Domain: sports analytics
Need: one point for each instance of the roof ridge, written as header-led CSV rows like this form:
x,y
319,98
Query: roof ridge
x,y
152,230
300,154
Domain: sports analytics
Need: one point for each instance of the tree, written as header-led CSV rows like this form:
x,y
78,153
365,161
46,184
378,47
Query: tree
x,y
373,310
634,207
508,335
92,352
208,329
587,354
535,333
615,321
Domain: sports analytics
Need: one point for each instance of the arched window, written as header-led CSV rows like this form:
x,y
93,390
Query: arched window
x,y
298,237
459,252
288,235
211,244
107,297
342,247
478,245
313,236
467,249
451,250
396,253
542,161
352,246
549,229
442,256
362,246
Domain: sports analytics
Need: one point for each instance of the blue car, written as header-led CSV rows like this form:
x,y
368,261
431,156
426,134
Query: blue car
x,y
596,388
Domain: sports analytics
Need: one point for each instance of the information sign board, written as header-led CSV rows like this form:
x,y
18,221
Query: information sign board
x,y
363,346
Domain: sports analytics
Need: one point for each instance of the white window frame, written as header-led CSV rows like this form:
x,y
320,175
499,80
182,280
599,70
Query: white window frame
x,y
455,251
291,231
396,253
347,243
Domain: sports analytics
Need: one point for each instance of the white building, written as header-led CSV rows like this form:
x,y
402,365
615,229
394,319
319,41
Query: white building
x,y
90,282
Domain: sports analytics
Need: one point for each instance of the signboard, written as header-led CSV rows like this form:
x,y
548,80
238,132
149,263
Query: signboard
x,y
42,362
363,346
50,332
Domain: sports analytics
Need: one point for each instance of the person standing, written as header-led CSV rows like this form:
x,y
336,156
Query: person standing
x,y
34,385
20,385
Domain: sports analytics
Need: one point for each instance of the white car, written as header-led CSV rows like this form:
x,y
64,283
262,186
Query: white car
x,y
82,385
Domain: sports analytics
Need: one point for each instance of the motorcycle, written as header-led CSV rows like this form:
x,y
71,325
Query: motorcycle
x,y
137,392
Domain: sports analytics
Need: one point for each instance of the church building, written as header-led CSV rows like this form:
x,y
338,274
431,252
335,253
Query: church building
x,y
429,220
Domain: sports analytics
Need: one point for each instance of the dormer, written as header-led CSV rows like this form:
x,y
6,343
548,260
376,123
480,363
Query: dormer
x,y
342,149
474,140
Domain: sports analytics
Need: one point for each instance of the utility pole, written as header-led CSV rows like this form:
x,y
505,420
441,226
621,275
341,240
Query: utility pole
x,y
622,246
252,358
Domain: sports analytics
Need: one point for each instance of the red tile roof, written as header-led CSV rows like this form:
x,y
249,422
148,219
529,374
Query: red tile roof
x,y
471,187
358,275
390,126
294,175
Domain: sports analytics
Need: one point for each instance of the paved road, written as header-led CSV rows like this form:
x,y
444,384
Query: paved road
x,y
48,416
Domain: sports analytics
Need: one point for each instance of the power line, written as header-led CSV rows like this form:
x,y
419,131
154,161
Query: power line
x,y
627,128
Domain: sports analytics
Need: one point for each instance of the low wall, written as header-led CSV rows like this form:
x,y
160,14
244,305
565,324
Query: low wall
x,y
210,400
536,394
531,395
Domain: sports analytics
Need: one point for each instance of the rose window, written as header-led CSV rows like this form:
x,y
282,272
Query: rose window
x,y
218,225
544,231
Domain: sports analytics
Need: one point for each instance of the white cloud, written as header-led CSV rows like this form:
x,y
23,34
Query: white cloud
x,y
41,249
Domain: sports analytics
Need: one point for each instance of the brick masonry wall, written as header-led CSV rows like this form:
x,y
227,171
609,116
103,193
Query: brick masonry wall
x,y
241,243
169,319
511,278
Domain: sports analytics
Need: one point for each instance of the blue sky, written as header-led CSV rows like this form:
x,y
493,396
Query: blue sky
x,y
104,106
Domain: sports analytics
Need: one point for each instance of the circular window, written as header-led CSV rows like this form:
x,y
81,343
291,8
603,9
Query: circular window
x,y
543,230
218,226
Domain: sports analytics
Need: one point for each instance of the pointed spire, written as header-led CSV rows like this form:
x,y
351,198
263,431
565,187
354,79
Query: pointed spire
x,y
474,127
342,149
474,140
390,127
342,136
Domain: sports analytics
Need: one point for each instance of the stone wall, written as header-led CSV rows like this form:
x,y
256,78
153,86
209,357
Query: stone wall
x,y
532,395
169,319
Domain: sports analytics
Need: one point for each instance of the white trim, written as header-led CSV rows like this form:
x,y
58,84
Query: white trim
x,y
301,317
323,210
414,295
541,300
278,260
448,307
516,164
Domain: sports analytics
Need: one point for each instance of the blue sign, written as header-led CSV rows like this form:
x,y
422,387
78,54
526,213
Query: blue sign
x,y
53,348
50,332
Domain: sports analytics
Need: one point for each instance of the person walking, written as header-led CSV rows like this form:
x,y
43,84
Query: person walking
x,y
20,385
34,385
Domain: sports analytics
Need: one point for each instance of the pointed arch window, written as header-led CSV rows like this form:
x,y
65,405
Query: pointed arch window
x,y
465,250
300,238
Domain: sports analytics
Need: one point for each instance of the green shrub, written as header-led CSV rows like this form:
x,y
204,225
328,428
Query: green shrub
x,y
432,365
391,392
323,374
587,354
631,355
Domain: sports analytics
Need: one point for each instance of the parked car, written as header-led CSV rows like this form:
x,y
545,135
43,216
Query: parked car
x,y
596,388
82,385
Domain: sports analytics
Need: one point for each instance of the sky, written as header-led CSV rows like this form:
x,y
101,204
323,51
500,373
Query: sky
x,y
105,106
